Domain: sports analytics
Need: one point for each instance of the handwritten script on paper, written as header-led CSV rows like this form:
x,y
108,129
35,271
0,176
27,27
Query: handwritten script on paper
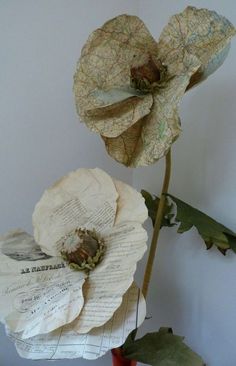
x,y
66,343
36,299
40,295
83,198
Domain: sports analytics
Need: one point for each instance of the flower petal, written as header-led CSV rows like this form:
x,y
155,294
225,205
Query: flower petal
x,y
111,121
150,138
105,64
130,204
38,302
103,292
22,266
66,343
83,198
199,32
124,147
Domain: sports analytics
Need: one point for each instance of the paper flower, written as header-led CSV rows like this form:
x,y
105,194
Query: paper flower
x,y
128,87
55,308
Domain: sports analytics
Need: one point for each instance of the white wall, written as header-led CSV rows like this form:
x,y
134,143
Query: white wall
x,y
194,290
41,139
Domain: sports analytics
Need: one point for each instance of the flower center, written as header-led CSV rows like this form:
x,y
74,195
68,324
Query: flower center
x,y
82,249
148,75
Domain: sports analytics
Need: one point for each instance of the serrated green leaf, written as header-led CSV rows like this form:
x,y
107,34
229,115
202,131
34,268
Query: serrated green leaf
x,y
162,348
211,231
152,203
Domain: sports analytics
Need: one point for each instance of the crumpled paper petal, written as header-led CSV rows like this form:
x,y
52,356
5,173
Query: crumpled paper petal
x,y
200,32
124,147
125,245
41,293
193,45
111,121
105,64
83,198
39,302
130,205
66,343
151,138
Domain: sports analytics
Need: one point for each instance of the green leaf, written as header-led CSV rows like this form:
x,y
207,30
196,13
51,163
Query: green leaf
x,y
162,348
130,339
211,231
152,203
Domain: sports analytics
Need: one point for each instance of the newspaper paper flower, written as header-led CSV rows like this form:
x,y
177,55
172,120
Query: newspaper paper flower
x,y
128,87
74,289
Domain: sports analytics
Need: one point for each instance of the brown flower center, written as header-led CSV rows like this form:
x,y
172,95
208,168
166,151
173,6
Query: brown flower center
x,y
82,249
148,75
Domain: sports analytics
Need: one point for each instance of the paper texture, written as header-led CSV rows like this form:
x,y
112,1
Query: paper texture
x,y
83,198
123,125
130,205
66,343
40,298
105,64
151,138
111,121
106,285
201,33
55,215
36,296
19,254
139,130
39,293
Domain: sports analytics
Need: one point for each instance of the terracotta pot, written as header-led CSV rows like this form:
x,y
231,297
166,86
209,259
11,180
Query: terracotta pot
x,y
119,360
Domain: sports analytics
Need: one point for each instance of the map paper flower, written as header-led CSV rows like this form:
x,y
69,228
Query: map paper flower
x,y
128,87
73,294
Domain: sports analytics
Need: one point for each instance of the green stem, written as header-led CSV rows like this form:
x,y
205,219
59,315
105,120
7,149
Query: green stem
x,y
157,226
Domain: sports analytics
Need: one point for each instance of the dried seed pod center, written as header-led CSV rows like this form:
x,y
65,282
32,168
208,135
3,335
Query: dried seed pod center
x,y
83,249
146,74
